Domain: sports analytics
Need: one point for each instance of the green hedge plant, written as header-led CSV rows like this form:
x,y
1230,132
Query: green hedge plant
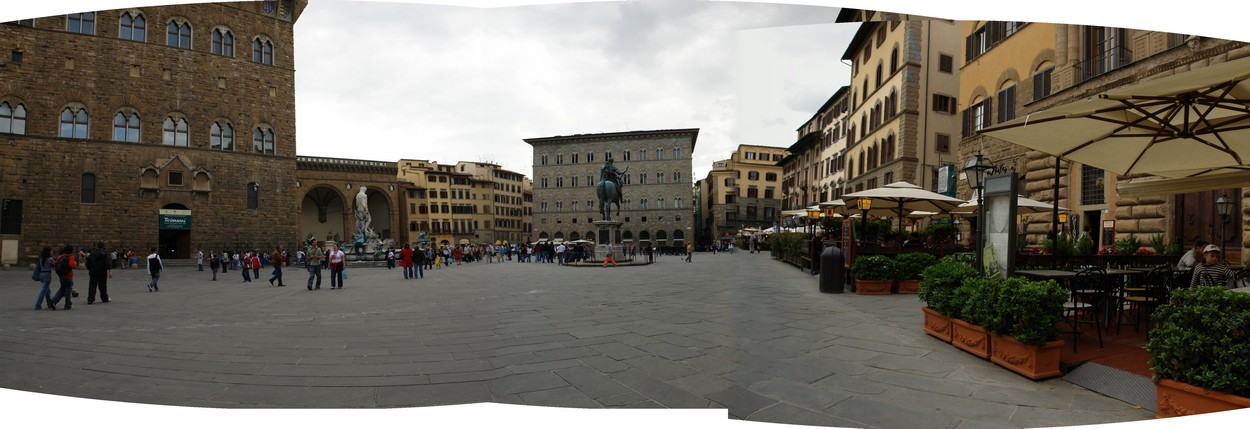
x,y
911,266
872,267
1030,310
939,282
1203,338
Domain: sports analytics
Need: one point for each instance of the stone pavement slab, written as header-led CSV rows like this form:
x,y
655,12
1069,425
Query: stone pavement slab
x,y
743,332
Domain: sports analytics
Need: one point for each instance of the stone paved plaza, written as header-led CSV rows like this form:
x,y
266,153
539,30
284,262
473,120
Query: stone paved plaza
x,y
741,331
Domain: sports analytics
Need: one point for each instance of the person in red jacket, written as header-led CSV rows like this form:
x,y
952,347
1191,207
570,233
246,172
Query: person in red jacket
x,y
67,278
405,262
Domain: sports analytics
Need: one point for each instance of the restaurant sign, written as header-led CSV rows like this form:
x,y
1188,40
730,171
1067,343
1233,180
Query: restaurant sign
x,y
175,219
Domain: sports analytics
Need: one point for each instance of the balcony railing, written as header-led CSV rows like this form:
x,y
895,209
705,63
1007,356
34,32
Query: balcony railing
x,y
1103,62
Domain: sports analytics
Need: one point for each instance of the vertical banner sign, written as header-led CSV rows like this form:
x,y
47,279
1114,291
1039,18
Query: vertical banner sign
x,y
174,219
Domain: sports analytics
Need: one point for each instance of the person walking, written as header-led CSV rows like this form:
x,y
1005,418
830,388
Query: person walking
x,y
199,262
255,256
247,268
277,259
689,251
45,278
213,264
64,269
98,273
607,256
418,262
315,255
154,269
390,260
405,261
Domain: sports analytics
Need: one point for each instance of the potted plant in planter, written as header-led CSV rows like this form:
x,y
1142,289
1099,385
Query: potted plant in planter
x,y
967,332
937,290
872,274
1200,352
1025,339
908,268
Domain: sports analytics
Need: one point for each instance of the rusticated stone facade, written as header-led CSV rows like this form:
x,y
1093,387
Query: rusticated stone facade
x,y
89,187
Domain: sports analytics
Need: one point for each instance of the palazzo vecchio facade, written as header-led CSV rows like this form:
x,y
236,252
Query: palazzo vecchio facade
x,y
169,127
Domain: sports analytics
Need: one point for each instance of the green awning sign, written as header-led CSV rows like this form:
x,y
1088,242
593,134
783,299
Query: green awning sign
x,y
175,219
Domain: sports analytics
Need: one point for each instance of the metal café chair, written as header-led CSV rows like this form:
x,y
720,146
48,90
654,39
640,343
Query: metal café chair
x,y
1143,297
1089,291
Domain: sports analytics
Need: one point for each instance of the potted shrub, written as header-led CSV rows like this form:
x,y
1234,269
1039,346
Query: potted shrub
x,y
967,332
1025,339
872,274
1200,352
937,291
908,268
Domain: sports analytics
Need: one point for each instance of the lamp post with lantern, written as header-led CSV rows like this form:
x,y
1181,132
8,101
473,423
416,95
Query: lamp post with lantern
x,y
1224,207
865,204
813,215
975,171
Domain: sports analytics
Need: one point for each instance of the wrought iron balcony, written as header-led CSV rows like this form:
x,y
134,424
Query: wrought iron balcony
x,y
1103,62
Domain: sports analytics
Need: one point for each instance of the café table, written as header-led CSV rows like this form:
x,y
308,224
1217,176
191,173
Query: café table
x,y
1047,274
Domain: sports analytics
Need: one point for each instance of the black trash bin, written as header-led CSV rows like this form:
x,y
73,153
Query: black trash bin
x,y
832,270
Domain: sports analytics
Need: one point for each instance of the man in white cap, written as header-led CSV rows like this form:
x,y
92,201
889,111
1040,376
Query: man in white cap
x,y
1211,272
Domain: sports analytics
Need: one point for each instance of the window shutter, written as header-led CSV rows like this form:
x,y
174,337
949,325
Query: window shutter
x,y
968,47
965,122
989,107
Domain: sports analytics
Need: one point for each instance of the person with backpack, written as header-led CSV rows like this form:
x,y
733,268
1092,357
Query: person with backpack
x,y
44,265
98,273
64,269
154,269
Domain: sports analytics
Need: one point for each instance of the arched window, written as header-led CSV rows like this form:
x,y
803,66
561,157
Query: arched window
x,y
178,35
676,202
642,154
126,128
132,27
659,203
223,42
263,141
676,177
659,154
676,153
175,132
222,136
88,188
262,51
253,196
862,165
74,123
894,60
12,119
879,66
642,203
575,205
642,178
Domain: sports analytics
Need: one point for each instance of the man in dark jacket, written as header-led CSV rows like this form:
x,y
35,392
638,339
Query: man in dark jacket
x,y
98,272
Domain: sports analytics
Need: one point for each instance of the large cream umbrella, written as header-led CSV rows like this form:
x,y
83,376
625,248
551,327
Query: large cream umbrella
x,y
901,198
1188,124
1023,206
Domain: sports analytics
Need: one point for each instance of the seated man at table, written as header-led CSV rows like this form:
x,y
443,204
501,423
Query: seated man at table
x,y
1211,273
1192,258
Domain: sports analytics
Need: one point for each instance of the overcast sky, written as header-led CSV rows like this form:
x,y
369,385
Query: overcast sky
x,y
391,80
385,81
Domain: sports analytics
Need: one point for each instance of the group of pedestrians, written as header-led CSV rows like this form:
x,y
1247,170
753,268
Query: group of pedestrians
x,y
319,259
99,265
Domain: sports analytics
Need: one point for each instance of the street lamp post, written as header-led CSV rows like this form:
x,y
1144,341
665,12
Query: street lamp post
x,y
975,170
1224,206
865,204
813,214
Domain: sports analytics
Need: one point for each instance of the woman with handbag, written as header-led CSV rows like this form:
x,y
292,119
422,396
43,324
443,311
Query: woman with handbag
x,y
337,263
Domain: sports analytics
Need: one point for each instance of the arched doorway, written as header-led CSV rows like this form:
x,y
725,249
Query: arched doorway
x,y
661,237
644,238
542,236
174,239
321,214
679,237
590,236
574,236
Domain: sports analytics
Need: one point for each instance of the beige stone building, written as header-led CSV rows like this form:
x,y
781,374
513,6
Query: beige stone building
x,y
903,122
657,190
501,214
1011,69
815,170
739,192
163,126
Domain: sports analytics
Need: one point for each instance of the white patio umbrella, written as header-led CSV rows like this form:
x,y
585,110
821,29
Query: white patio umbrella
x,y
1023,206
1188,124
901,198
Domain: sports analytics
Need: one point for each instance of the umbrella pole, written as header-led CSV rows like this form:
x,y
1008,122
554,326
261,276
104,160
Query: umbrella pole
x,y
900,222
1054,219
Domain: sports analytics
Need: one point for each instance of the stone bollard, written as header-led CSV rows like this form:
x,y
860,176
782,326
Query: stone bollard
x,y
832,270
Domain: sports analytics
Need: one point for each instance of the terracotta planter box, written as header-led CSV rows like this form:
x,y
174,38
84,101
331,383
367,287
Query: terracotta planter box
x,y
873,287
971,338
1035,362
937,325
909,286
1180,399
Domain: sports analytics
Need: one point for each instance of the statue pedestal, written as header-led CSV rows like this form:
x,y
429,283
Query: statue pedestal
x,y
608,232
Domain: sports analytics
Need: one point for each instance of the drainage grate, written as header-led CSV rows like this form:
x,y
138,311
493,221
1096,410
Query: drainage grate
x,y
1119,384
